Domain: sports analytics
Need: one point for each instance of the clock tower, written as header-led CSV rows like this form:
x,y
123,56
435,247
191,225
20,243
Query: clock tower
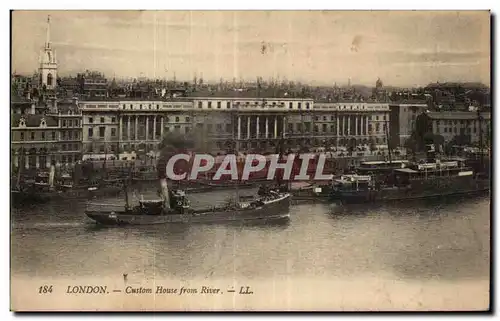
x,y
48,63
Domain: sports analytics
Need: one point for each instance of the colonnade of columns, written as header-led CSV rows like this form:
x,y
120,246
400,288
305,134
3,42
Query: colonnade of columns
x,y
258,132
131,131
352,125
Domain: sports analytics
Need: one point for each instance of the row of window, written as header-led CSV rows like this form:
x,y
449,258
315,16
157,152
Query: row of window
x,y
70,135
113,120
456,122
70,123
256,103
70,147
102,132
40,136
91,120
332,118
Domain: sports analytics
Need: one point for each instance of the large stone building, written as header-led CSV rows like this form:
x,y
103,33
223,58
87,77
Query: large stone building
x,y
125,128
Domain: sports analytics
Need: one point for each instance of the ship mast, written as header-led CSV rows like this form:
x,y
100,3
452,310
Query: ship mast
x,y
387,137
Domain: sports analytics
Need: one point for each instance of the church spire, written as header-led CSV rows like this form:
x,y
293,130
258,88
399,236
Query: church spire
x,y
47,40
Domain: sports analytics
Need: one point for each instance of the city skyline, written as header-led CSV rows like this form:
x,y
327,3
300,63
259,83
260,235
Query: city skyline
x,y
404,49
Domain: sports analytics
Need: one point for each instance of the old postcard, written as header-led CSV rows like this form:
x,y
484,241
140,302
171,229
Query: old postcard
x,y
250,160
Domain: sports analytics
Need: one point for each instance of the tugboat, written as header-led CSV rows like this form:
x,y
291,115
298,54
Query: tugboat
x,y
429,179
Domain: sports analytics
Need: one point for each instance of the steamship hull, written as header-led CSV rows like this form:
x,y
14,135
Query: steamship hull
x,y
271,211
422,190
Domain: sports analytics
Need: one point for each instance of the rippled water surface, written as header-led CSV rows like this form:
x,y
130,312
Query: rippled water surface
x,y
446,240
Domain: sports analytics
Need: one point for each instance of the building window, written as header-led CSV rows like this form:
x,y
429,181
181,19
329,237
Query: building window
x,y
32,136
209,104
140,106
113,132
101,148
219,127
102,131
53,135
43,135
91,120
64,123
299,105
332,118
200,104
91,132
228,105
102,120
219,104
187,119
22,136
307,105
113,119
176,119
324,118
376,117
290,105
63,147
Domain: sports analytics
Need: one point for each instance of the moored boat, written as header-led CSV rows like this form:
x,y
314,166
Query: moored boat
x,y
271,207
415,181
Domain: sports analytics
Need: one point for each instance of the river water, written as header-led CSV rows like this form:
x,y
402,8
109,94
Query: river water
x,y
445,243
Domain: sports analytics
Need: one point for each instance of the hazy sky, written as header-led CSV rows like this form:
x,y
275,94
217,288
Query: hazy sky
x,y
402,48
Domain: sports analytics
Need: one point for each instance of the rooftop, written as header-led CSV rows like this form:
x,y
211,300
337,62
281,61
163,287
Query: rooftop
x,y
457,115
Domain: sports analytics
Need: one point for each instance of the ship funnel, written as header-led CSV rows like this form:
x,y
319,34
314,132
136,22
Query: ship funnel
x,y
51,175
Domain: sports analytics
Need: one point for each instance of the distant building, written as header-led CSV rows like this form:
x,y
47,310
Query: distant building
x,y
451,124
34,140
93,85
402,120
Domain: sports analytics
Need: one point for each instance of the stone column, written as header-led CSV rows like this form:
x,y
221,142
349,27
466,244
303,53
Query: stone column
x,y
275,126
154,127
348,125
147,128
239,127
120,129
283,130
128,127
366,125
47,161
136,127
37,161
248,127
161,127
337,125
26,161
267,126
257,126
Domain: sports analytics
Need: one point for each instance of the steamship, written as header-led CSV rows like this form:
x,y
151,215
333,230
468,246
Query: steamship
x,y
174,207
431,178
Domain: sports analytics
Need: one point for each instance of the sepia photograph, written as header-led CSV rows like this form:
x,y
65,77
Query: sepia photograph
x,y
250,160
